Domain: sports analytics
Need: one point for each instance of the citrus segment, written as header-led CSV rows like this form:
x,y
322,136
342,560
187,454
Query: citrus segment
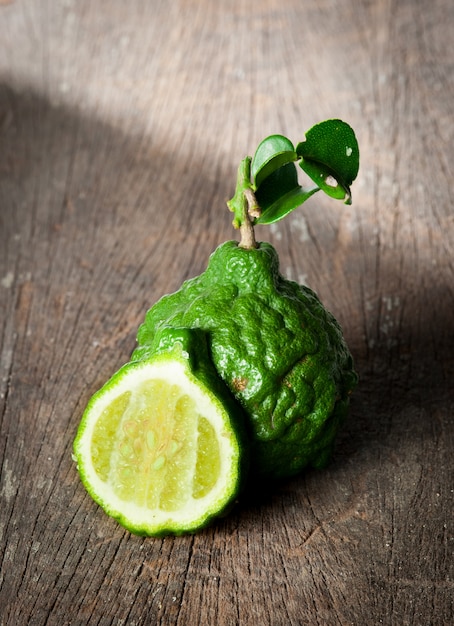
x,y
208,459
157,450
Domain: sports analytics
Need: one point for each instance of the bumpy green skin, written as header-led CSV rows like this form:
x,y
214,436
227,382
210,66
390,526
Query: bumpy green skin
x,y
276,347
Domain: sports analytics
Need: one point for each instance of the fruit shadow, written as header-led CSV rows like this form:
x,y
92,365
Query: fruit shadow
x,y
407,366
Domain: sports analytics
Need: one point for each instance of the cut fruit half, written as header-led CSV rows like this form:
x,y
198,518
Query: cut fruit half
x,y
157,447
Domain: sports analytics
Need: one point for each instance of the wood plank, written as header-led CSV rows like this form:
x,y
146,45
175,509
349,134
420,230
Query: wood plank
x,y
121,127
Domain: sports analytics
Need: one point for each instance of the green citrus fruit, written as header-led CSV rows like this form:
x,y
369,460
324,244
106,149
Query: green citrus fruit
x,y
159,447
275,346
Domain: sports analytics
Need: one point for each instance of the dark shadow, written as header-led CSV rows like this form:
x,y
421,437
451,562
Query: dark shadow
x,y
411,367
111,202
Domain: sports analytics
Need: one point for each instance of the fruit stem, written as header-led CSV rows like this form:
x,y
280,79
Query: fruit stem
x,y
244,206
247,240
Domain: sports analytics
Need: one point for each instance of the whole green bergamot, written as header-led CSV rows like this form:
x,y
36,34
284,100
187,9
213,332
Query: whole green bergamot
x,y
279,351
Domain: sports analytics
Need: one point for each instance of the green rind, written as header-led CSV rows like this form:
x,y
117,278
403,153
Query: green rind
x,y
277,336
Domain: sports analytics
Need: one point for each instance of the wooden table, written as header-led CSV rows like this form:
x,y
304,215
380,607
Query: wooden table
x,y
121,128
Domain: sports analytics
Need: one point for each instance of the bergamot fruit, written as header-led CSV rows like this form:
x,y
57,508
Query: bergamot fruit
x,y
278,350
160,446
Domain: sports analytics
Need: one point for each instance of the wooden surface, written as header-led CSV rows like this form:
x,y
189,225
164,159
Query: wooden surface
x,y
121,128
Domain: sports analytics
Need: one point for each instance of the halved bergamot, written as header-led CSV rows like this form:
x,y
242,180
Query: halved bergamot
x,y
160,447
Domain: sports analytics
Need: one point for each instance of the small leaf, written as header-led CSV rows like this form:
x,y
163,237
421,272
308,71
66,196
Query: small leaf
x,y
326,180
280,193
272,153
285,204
330,156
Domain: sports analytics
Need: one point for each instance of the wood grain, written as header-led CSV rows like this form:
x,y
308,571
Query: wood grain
x,y
121,127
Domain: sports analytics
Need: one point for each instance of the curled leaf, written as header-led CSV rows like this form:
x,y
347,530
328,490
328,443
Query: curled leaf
x,y
326,180
281,193
272,153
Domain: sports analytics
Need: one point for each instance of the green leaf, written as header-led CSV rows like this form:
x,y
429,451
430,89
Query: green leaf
x,y
330,156
326,180
285,204
272,153
280,193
